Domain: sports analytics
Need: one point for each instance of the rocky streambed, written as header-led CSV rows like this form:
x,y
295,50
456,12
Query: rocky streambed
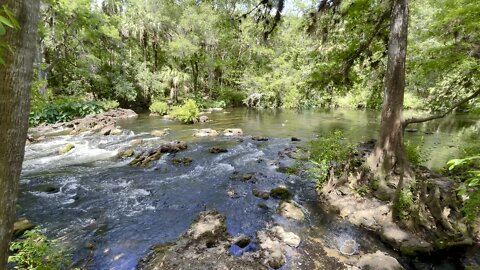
x,y
162,198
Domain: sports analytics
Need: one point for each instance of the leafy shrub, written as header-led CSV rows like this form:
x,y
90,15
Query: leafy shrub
x,y
36,251
66,108
327,151
160,107
187,112
413,152
109,104
470,187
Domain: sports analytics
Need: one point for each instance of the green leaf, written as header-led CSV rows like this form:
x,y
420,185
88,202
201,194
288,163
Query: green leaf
x,y
2,30
6,21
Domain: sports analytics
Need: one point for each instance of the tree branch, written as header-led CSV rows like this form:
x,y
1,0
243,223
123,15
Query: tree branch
x,y
441,115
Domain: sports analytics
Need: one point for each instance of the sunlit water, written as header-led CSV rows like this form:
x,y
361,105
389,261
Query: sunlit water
x,y
124,210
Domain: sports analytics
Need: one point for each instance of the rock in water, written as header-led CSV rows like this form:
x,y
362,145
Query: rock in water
x,y
203,119
182,160
290,210
206,132
233,132
260,139
243,176
378,261
66,149
22,225
288,238
144,158
261,194
217,150
280,192
203,246
159,132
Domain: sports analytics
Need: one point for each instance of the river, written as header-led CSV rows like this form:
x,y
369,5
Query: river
x,y
89,196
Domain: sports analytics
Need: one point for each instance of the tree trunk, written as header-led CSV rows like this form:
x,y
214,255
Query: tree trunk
x,y
15,77
389,152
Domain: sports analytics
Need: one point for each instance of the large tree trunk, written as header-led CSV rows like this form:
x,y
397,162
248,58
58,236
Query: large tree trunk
x,y
15,77
389,153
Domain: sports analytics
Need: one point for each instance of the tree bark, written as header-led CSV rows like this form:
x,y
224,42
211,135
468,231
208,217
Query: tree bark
x,y
15,77
389,152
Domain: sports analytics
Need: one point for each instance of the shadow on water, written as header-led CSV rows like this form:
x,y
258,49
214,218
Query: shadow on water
x,y
90,198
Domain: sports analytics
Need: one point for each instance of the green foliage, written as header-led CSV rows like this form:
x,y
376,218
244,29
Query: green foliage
x,y
331,150
405,204
160,107
187,113
7,20
34,251
468,172
414,152
66,108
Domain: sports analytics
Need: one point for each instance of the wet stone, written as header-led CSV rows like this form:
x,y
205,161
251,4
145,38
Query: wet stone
x,y
244,177
261,194
217,150
260,139
280,192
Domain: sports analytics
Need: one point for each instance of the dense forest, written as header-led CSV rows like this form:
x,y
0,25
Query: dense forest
x,y
99,100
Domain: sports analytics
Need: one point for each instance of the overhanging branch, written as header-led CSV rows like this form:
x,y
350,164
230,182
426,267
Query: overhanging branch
x,y
441,115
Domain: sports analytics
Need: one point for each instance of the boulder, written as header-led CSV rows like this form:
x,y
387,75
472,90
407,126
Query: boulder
x,y
66,149
206,132
22,225
233,132
147,156
378,261
290,210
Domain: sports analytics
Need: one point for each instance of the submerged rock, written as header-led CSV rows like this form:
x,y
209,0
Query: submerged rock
x,y
144,158
243,176
290,210
66,149
280,192
261,194
182,160
217,150
206,132
159,132
233,132
378,261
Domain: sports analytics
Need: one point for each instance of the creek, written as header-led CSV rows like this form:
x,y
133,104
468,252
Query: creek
x,y
90,196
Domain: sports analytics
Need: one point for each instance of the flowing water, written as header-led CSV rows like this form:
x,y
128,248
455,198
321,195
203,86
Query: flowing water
x,y
90,196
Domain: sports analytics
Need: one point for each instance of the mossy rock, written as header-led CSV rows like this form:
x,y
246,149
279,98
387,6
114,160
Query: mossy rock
x,y
67,148
22,225
127,153
281,193
260,194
